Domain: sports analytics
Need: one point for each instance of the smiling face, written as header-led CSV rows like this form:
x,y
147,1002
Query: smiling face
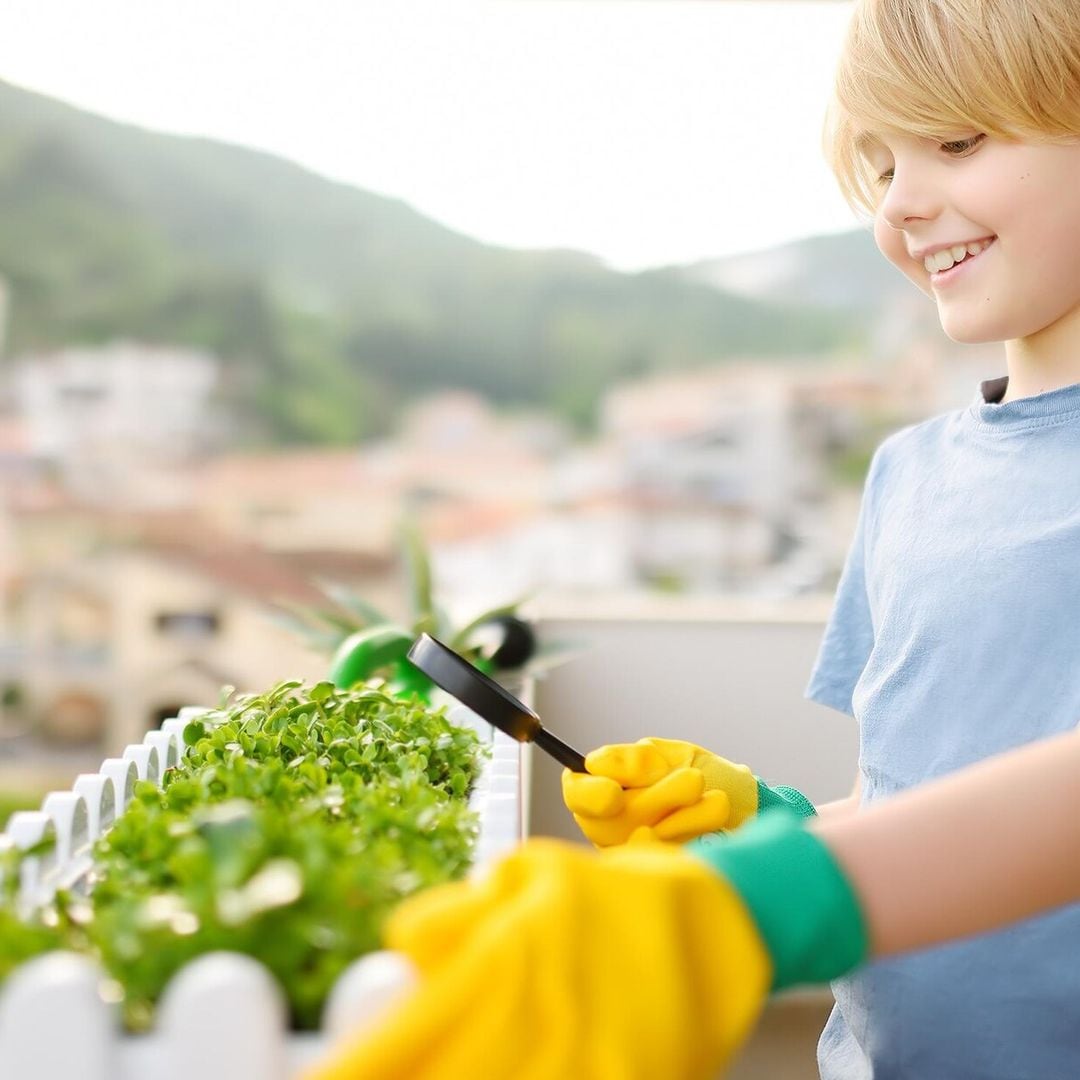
x,y
1025,196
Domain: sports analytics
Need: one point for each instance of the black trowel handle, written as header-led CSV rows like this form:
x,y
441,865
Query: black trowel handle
x,y
556,748
462,680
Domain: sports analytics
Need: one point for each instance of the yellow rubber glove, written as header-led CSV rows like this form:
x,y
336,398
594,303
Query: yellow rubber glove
x,y
675,788
629,964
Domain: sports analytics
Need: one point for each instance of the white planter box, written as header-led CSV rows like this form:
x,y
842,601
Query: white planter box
x,y
222,1017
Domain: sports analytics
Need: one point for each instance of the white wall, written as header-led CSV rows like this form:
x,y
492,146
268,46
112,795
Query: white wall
x,y
728,677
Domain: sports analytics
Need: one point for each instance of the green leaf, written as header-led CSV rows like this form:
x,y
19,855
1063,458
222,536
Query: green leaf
x,y
345,598
320,692
195,731
418,576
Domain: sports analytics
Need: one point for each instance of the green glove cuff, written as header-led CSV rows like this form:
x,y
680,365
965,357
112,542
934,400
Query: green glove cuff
x,y
803,905
787,798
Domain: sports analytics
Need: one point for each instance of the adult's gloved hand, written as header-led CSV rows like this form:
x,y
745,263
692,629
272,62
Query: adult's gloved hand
x,y
628,964
678,790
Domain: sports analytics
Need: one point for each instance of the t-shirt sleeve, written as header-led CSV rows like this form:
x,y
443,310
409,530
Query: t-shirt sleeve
x,y
849,633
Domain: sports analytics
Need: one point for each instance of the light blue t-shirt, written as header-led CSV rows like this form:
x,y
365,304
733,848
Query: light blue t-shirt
x,y
956,635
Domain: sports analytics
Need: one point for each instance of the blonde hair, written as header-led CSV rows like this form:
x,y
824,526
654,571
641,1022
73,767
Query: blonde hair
x,y
936,68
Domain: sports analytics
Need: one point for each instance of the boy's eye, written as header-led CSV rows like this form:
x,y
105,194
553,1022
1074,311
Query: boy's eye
x,y
957,148
961,146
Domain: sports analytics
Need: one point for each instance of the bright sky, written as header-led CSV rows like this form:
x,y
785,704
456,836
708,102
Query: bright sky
x,y
644,131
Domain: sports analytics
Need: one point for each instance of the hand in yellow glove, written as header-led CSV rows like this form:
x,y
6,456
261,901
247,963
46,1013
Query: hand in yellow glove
x,y
676,788
629,964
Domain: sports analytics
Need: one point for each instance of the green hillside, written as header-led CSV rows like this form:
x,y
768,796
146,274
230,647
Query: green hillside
x,y
329,305
838,272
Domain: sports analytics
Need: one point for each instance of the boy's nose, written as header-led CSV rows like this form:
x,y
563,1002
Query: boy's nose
x,y
908,198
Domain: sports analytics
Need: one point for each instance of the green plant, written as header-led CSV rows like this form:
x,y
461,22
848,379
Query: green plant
x,y
366,643
297,821
22,937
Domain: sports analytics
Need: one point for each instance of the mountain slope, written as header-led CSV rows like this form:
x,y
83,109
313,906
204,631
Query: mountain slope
x,y
330,305
838,272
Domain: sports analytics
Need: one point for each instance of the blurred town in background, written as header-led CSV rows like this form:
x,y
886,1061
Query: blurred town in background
x,y
226,381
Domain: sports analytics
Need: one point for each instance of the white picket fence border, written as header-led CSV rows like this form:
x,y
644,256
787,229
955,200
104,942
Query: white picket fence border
x,y
223,1016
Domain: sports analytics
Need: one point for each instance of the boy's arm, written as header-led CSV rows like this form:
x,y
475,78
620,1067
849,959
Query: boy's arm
x,y
970,852
564,932
839,808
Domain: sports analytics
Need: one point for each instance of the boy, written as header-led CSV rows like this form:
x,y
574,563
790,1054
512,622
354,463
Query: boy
x,y
953,639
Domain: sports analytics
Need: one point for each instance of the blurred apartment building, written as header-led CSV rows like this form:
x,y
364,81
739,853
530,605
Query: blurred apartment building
x,y
111,621
126,592
451,453
108,644
142,573
116,423
713,480
704,481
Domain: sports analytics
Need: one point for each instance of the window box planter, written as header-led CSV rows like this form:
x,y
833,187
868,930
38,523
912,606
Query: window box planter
x,y
222,1016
